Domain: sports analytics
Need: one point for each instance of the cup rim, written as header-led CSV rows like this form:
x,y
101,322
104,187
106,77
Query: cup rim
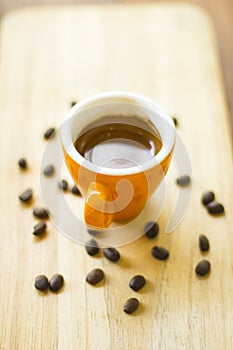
x,y
141,100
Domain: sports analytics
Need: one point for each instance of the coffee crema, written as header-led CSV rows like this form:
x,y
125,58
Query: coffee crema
x,y
118,145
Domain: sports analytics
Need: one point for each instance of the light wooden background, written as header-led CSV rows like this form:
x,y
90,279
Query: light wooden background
x,y
221,12
40,72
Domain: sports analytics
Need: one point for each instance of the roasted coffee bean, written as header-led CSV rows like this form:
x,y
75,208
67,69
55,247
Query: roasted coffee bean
x,y
92,247
183,180
208,197
40,212
151,229
204,243
75,190
111,254
49,170
95,276
72,103
215,208
175,121
40,228
25,196
63,185
56,282
159,253
22,163
93,232
49,133
203,268
137,282
41,283
131,305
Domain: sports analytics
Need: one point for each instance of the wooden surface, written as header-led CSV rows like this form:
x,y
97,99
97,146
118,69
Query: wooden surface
x,y
220,12
49,58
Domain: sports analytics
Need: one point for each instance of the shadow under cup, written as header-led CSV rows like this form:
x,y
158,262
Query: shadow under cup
x,y
116,194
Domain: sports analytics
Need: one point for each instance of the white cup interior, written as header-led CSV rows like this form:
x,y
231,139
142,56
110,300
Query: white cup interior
x,y
131,109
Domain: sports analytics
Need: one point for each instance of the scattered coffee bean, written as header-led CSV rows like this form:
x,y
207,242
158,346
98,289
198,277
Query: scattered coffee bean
x,y
95,276
203,268
175,121
56,282
25,196
41,283
40,228
159,253
92,247
183,180
111,254
137,282
63,185
151,229
204,243
93,232
40,212
49,133
75,190
49,170
22,163
72,103
215,208
131,305
208,197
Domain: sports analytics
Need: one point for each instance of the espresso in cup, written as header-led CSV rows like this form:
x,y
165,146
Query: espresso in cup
x,y
118,145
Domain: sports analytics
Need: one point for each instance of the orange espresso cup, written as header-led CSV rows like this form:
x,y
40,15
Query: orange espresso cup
x,y
116,194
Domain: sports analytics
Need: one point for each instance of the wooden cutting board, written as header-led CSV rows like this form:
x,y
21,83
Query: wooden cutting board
x,y
51,56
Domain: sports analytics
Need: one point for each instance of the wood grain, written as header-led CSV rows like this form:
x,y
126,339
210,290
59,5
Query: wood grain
x,y
220,12
69,53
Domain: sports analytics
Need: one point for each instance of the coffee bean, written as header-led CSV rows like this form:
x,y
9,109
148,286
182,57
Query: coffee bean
x,y
204,243
183,180
25,196
137,282
39,228
215,208
49,170
56,282
41,283
131,305
151,229
75,190
159,253
111,254
40,212
22,163
92,247
95,276
208,197
63,185
93,232
175,121
203,268
49,133
72,103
